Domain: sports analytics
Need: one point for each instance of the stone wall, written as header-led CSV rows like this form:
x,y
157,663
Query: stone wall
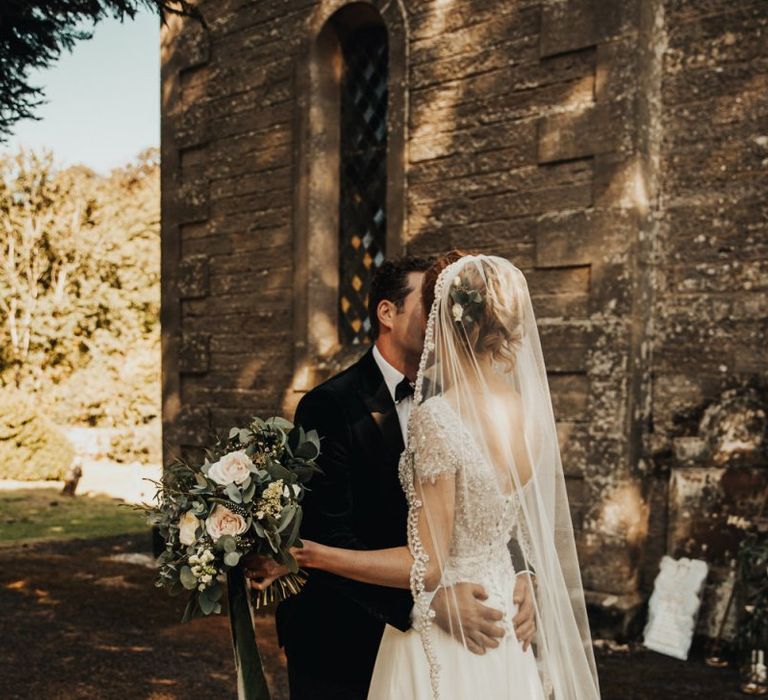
x,y
612,150
710,363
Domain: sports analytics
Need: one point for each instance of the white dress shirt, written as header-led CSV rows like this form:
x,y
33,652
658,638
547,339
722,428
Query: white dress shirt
x,y
392,378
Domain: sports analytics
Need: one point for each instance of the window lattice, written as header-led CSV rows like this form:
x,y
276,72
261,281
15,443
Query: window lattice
x,y
363,176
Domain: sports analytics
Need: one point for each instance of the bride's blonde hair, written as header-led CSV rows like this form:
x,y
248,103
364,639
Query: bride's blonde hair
x,y
497,322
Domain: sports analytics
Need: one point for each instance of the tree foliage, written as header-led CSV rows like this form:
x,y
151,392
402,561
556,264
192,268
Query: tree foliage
x,y
30,446
80,287
34,34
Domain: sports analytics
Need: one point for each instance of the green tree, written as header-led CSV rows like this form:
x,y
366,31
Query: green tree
x,y
30,446
80,288
34,33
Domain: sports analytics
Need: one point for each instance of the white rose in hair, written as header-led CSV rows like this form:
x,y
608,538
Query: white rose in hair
x,y
458,312
223,521
187,525
233,467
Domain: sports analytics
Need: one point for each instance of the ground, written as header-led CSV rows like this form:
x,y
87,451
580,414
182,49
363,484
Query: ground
x,y
81,619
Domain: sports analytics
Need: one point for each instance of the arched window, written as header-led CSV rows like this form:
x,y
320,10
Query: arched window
x,y
350,177
362,176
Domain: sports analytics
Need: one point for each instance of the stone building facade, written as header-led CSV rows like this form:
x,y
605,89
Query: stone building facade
x,y
616,151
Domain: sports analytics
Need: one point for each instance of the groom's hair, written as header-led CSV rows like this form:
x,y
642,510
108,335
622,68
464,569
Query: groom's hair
x,y
390,282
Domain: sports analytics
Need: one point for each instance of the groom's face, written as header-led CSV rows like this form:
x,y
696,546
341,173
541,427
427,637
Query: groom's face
x,y
409,324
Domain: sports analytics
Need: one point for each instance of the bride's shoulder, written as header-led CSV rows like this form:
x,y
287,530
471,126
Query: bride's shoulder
x,y
436,412
433,405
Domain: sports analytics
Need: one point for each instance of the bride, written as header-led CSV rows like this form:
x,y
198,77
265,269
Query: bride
x,y
482,466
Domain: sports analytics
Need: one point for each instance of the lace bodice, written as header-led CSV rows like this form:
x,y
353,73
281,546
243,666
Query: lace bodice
x,y
485,519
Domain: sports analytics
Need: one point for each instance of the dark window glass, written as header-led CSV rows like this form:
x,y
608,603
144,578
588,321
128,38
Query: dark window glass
x,y
363,176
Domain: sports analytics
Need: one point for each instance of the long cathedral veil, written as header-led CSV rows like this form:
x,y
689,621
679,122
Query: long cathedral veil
x,y
482,405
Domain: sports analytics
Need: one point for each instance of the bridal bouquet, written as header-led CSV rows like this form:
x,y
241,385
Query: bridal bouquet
x,y
244,497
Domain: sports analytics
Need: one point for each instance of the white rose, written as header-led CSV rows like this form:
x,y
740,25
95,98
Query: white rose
x,y
458,312
187,525
457,281
223,521
233,467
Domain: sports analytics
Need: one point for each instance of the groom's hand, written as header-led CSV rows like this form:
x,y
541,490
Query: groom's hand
x,y
525,620
460,612
262,571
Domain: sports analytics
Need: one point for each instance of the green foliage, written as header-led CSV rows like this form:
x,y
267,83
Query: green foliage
x,y
30,446
80,288
34,33
140,443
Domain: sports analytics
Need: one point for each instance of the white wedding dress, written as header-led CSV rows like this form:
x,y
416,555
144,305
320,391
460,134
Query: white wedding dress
x,y
484,521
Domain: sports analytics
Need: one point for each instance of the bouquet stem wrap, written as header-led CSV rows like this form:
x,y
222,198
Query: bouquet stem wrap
x,y
251,683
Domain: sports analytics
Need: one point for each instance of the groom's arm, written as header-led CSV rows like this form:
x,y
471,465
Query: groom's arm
x,y
328,507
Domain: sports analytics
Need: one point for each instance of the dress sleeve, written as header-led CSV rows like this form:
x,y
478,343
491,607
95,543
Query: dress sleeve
x,y
434,455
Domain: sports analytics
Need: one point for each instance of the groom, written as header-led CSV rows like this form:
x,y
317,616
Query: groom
x,y
331,630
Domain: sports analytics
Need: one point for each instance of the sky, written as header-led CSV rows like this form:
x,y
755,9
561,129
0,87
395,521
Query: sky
x,y
103,98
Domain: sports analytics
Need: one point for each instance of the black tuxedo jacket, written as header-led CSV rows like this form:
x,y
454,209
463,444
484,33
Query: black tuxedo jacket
x,y
331,630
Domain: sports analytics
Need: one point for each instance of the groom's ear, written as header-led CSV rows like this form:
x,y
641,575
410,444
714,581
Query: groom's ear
x,y
386,312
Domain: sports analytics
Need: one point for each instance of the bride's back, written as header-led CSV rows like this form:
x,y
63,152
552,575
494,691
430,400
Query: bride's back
x,y
491,411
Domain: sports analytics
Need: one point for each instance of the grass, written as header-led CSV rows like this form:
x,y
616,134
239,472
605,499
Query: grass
x,y
44,514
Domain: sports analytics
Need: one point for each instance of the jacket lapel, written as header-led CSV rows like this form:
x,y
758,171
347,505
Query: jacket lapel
x,y
378,401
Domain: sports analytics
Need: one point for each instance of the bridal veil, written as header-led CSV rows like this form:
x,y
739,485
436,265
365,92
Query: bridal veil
x,y
482,365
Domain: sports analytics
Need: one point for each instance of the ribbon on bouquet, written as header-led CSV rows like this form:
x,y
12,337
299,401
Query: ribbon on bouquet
x,y
251,682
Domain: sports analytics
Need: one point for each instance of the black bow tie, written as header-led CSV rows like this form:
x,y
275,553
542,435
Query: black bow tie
x,y
403,390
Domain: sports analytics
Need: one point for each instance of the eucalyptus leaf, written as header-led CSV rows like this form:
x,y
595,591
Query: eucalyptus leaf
x,y
307,450
206,605
234,493
278,471
187,578
272,540
232,558
190,610
293,536
227,543
215,591
279,423
249,493
285,517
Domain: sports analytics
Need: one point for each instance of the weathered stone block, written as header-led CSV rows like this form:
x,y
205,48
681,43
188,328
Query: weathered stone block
x,y
565,347
581,238
190,202
193,277
568,135
567,25
192,427
570,394
193,353
573,439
